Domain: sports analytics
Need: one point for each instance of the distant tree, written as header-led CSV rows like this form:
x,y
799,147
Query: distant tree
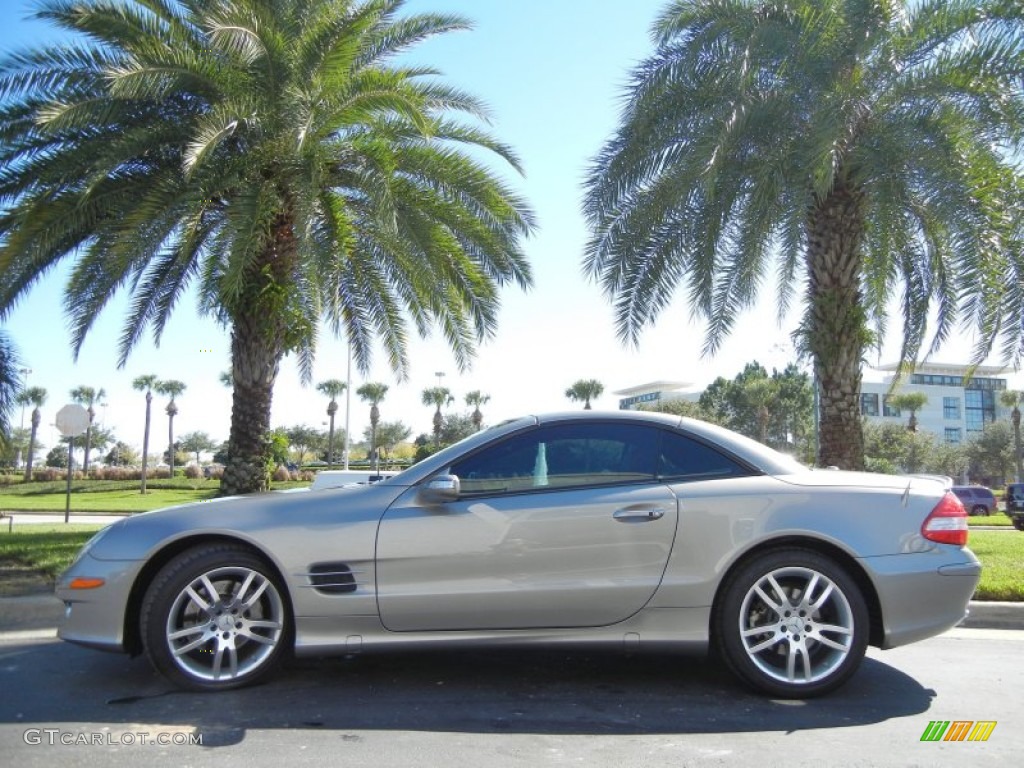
x,y
58,457
388,435
991,453
777,409
373,393
476,398
304,440
179,459
689,408
171,388
89,397
437,397
220,456
280,446
333,388
1012,398
197,442
585,390
885,447
948,459
456,426
145,383
36,397
16,441
121,455
910,401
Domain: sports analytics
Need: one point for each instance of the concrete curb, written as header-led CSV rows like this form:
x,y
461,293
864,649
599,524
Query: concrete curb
x,y
994,615
43,611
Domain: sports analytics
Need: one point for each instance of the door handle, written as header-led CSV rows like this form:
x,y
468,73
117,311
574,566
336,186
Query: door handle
x,y
639,515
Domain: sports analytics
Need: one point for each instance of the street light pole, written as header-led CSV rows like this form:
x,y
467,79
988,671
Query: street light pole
x,y
348,404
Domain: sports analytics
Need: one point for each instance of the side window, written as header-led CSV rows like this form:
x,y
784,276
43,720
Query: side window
x,y
563,456
682,457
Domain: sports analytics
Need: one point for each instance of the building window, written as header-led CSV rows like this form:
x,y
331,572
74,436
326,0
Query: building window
x,y
888,409
869,404
951,408
953,436
932,380
979,409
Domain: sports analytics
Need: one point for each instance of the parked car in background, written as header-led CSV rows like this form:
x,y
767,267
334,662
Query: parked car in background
x,y
977,499
625,530
1014,499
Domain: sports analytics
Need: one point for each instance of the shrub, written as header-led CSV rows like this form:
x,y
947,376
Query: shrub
x,y
216,473
281,474
193,472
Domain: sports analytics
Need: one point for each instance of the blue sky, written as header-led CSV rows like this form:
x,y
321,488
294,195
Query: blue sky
x,y
553,73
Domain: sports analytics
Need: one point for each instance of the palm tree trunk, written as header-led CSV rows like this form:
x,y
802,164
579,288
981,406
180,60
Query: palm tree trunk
x,y
145,441
836,325
170,441
36,418
257,346
1016,416
255,365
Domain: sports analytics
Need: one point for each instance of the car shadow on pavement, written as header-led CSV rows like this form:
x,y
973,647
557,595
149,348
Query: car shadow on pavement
x,y
537,692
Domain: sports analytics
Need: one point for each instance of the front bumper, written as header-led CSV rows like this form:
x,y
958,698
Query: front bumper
x,y
96,617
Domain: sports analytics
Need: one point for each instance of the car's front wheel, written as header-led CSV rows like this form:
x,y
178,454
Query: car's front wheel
x,y
215,618
792,623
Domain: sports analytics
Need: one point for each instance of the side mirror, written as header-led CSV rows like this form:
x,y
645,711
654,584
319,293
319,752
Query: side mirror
x,y
441,489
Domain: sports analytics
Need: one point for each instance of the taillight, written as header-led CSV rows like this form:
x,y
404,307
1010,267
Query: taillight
x,y
947,523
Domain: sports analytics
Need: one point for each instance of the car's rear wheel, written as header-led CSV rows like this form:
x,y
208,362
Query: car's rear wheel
x,y
792,623
215,618
979,509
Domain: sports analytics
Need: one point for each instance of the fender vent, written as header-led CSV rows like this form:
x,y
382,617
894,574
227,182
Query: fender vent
x,y
332,578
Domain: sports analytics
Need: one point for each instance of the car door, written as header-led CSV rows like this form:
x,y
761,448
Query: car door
x,y
562,525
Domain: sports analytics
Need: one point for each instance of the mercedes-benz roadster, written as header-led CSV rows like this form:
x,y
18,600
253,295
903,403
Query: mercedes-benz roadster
x,y
628,530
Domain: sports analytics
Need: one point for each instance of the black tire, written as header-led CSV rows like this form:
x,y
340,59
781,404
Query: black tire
x,y
978,510
216,618
806,641
1018,523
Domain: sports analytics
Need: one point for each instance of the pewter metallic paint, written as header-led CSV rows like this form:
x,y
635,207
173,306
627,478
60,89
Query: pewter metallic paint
x,y
550,566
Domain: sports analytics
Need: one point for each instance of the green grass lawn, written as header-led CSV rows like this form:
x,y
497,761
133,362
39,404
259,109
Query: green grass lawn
x,y
110,495
50,548
1002,559
998,518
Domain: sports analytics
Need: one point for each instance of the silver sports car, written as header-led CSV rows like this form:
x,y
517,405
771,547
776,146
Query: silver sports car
x,y
621,529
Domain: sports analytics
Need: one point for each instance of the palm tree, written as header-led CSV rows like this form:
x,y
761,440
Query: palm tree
x,y
373,393
585,390
34,396
332,388
476,399
272,154
171,388
913,402
437,397
844,145
145,383
1012,398
10,385
89,397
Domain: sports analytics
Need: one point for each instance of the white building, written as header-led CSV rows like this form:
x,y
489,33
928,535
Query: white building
x,y
957,408
653,392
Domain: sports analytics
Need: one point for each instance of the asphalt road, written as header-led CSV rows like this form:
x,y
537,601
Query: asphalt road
x,y
511,709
